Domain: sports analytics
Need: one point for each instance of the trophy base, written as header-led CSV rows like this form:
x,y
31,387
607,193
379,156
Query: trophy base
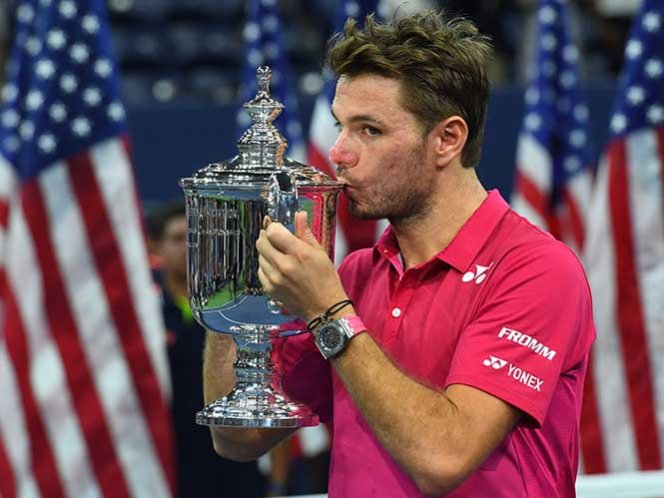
x,y
266,410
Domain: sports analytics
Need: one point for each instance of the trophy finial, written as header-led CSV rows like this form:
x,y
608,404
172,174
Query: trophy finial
x,y
263,101
264,75
262,144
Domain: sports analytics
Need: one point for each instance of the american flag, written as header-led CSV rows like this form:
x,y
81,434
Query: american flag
x,y
624,257
353,233
82,362
265,46
553,177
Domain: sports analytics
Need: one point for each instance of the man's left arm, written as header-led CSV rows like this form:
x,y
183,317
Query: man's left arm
x,y
438,438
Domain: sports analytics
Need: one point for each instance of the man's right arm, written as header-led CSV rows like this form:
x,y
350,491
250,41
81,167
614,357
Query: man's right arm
x,y
241,444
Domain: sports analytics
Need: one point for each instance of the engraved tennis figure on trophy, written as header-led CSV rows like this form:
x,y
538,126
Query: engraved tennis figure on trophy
x,y
226,205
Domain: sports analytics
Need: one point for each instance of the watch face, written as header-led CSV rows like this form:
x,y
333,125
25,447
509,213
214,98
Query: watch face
x,y
330,338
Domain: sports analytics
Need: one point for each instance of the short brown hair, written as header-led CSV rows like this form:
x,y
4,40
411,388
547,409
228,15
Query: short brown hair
x,y
440,62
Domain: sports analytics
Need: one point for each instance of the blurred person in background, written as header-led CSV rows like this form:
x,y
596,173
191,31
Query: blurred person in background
x,y
200,472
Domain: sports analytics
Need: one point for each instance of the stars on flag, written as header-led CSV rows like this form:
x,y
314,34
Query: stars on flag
x,y
352,9
45,68
555,112
56,39
58,112
90,24
642,96
652,22
618,122
653,68
71,76
553,179
67,9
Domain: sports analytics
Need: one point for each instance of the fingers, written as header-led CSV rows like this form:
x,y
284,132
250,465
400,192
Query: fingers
x,y
264,280
274,263
303,230
266,248
268,271
301,224
282,239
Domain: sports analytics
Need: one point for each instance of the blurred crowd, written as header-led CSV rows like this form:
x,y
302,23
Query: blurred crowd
x,y
192,50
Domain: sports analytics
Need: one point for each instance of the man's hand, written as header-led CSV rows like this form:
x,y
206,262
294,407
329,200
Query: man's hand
x,y
296,270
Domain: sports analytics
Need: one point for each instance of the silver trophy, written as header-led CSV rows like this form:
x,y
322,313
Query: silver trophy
x,y
226,205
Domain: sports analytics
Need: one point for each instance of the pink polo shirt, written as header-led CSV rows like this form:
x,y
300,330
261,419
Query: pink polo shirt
x,y
506,309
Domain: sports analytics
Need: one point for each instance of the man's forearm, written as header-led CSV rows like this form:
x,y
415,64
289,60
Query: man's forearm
x,y
218,380
218,358
433,439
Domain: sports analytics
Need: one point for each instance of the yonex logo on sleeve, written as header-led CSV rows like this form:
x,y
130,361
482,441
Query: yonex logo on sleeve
x,y
525,378
494,362
528,342
518,374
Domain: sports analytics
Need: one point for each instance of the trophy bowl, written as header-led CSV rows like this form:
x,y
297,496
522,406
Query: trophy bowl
x,y
226,205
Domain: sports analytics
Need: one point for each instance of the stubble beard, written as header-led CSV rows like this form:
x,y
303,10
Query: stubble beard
x,y
402,200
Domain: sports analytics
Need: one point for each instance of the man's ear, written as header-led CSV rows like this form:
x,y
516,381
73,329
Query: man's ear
x,y
449,138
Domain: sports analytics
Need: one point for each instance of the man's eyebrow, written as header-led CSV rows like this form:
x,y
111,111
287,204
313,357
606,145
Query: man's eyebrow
x,y
360,117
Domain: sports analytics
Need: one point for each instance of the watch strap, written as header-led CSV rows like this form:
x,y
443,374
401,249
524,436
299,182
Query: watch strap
x,y
355,324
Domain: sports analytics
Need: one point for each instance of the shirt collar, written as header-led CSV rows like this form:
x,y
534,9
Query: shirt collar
x,y
465,246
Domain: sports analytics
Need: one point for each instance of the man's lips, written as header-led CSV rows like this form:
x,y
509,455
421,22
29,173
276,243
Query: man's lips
x,y
346,182
350,191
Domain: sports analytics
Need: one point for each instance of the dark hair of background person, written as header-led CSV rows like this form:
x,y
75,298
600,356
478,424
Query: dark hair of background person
x,y
158,217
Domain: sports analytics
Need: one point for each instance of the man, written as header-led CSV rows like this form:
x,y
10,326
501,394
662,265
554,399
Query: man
x,y
458,367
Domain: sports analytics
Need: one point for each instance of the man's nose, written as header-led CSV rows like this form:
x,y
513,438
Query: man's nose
x,y
341,154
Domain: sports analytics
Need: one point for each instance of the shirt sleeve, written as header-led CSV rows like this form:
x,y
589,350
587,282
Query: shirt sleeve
x,y
533,324
306,376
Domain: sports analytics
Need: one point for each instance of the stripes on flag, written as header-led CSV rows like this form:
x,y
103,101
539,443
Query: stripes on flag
x,y
624,257
553,180
83,371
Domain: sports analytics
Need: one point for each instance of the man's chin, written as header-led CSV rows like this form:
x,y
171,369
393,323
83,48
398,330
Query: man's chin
x,y
362,214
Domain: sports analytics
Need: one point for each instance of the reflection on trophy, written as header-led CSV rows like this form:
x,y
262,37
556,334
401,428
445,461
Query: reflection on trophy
x,y
226,205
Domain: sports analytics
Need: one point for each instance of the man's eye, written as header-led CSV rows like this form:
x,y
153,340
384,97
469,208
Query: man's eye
x,y
370,130
337,125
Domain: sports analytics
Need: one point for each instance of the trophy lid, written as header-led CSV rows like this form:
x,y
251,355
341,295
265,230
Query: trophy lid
x,y
261,151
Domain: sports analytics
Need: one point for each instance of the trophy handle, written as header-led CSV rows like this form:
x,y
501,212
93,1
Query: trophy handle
x,y
282,199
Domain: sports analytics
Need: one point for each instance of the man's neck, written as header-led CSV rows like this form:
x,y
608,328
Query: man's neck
x,y
452,205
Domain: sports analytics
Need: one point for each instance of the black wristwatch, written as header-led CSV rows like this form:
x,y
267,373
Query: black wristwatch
x,y
333,336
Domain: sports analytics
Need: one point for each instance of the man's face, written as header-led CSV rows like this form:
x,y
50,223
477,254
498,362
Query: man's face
x,y
380,153
173,246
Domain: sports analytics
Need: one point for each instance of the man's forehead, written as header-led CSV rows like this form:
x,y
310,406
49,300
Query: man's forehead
x,y
368,94
368,88
369,80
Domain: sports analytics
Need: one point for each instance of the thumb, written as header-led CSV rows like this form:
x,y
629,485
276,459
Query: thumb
x,y
303,231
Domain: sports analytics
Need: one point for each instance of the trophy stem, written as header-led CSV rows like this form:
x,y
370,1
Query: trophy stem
x,y
257,399
253,365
